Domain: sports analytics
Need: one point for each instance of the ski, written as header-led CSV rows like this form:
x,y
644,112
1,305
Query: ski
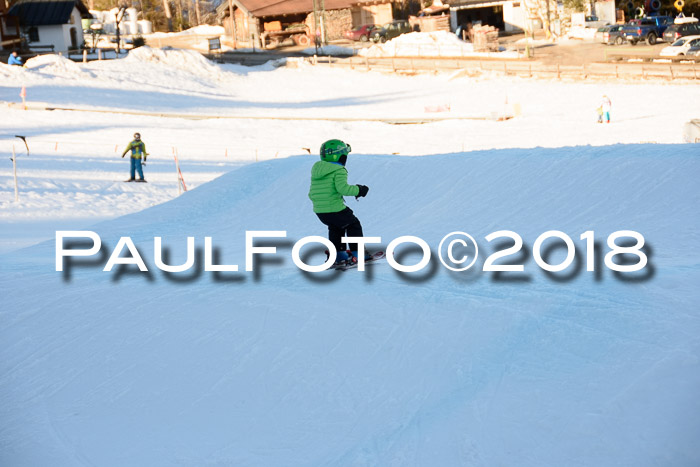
x,y
372,259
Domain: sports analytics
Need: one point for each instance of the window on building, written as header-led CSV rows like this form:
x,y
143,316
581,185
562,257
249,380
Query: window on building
x,y
33,34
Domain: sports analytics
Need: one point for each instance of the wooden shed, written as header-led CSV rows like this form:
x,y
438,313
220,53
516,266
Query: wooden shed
x,y
257,21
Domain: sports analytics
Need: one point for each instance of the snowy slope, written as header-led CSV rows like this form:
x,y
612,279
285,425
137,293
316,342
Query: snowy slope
x,y
73,175
279,368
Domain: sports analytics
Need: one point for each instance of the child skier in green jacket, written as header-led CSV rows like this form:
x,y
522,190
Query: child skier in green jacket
x,y
329,183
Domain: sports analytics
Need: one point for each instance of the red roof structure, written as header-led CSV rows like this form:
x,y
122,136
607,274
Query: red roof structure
x,y
262,8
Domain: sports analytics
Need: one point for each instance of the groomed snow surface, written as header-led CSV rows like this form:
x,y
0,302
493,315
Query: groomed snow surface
x,y
279,367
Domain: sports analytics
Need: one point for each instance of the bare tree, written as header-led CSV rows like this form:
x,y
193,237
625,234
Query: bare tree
x,y
545,10
196,10
168,15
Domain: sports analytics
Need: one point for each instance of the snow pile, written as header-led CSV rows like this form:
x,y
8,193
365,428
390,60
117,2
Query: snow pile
x,y
181,59
56,65
429,44
8,72
205,30
202,30
435,38
580,32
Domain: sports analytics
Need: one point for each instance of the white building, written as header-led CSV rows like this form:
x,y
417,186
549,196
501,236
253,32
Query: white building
x,y
51,22
506,15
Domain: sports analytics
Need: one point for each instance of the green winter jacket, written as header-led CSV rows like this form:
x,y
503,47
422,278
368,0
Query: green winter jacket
x,y
329,183
137,148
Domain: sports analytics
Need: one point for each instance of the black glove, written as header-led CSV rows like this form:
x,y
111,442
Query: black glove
x,y
363,191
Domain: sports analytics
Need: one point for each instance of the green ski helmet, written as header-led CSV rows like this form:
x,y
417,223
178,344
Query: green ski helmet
x,y
333,149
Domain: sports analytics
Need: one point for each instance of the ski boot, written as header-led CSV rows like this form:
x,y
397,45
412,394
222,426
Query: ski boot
x,y
342,259
353,256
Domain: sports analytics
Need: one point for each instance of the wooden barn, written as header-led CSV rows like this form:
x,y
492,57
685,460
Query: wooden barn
x,y
263,23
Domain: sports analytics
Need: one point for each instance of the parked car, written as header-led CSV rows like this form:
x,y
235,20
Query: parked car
x,y
648,29
360,33
594,22
680,29
693,51
598,37
391,30
681,46
612,34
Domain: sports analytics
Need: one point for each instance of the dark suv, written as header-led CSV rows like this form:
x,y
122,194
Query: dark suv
x,y
676,31
391,30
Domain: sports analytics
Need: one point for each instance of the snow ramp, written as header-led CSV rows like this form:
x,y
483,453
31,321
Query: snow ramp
x,y
278,367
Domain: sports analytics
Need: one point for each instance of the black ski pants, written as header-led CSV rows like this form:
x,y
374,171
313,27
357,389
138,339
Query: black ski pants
x,y
340,224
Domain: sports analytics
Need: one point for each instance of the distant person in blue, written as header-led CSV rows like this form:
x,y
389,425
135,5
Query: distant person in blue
x,y
15,59
138,150
605,106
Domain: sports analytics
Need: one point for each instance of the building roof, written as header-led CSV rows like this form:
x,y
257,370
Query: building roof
x,y
45,12
261,8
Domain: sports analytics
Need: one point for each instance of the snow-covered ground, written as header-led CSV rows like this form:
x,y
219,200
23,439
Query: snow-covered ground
x,y
279,367
430,44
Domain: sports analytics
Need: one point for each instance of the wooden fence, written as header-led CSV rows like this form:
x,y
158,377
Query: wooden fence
x,y
689,70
